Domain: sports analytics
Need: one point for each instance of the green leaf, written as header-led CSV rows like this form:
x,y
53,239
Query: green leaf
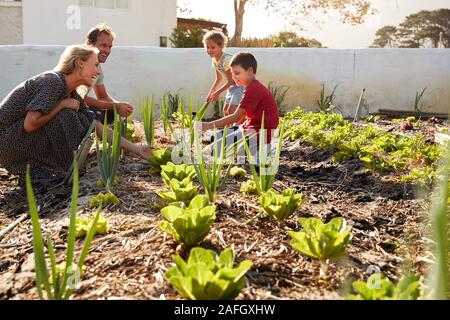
x,y
204,276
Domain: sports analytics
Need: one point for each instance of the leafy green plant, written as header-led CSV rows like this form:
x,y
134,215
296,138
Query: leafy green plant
x,y
280,206
419,104
321,241
103,199
83,225
423,177
179,191
190,225
56,284
378,287
186,119
267,162
238,173
279,93
206,276
127,131
325,102
108,157
210,175
166,114
179,172
182,37
439,278
249,188
147,109
372,118
158,158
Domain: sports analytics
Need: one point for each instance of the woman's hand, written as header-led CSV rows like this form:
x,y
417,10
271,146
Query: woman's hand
x,y
70,103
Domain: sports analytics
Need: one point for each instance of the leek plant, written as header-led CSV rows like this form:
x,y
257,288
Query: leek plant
x,y
210,174
147,109
165,114
108,157
58,281
268,163
188,118
438,279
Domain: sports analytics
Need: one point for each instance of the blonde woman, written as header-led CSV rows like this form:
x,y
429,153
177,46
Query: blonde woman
x,y
44,119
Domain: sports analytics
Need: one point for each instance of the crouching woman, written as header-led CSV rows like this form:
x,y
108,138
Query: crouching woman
x,y
44,119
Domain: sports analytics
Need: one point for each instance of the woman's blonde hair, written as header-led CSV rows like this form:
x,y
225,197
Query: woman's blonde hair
x,y
67,61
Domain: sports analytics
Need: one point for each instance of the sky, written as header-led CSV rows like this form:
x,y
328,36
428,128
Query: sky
x,y
331,32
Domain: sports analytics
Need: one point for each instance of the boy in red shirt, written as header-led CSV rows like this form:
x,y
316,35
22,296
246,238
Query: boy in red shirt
x,y
257,99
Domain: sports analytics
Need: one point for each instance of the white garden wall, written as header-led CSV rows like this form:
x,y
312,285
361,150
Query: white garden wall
x,y
391,76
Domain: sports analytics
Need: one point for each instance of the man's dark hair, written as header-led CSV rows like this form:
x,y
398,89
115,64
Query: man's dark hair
x,y
245,60
93,34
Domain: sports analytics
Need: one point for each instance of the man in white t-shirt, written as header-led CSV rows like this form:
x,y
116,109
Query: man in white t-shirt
x,y
102,37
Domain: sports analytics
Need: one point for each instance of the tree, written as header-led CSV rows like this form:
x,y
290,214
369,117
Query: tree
x,y
291,39
385,37
422,29
351,11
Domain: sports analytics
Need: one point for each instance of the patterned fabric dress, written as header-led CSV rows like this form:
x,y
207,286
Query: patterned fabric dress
x,y
49,148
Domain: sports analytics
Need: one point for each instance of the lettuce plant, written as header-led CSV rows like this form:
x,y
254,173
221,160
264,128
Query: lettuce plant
x,y
206,276
179,191
249,188
238,173
378,287
103,199
58,285
158,158
280,206
321,241
83,225
190,225
179,172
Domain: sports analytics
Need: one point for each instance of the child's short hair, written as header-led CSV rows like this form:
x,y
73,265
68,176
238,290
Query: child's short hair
x,y
100,28
215,36
245,60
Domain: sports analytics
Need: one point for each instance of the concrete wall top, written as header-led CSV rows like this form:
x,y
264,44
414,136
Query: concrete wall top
x,y
391,76
64,22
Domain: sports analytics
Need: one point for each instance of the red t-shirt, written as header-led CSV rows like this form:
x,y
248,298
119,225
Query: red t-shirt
x,y
256,100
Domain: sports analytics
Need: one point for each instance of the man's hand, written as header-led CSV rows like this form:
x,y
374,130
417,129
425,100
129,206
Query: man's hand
x,y
124,109
203,126
70,103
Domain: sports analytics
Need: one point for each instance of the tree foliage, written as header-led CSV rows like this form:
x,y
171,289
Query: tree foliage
x,y
351,11
422,29
291,39
185,38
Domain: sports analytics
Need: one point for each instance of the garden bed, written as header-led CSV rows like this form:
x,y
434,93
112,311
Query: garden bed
x,y
388,228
